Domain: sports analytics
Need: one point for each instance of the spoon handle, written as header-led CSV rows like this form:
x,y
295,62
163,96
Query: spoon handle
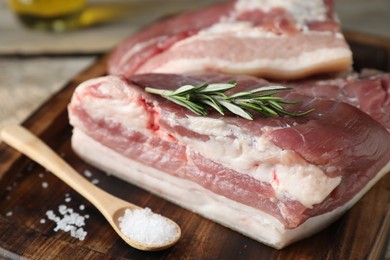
x,y
27,143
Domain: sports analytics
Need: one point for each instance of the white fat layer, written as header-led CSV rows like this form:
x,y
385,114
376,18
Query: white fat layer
x,y
136,48
239,29
241,218
119,106
304,61
301,11
255,156
307,184
243,29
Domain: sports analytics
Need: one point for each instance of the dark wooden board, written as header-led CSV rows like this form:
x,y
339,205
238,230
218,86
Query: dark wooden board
x,y
362,233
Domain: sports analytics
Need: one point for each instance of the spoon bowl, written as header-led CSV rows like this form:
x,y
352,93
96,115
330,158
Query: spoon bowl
x,y
143,246
110,206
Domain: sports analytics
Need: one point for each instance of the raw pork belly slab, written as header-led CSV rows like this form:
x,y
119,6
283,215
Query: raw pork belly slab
x,y
277,39
275,180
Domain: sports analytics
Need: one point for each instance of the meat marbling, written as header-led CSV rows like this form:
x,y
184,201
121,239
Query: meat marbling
x,y
276,180
297,39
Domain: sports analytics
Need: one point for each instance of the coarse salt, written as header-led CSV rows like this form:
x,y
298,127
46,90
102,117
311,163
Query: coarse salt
x,y
87,173
45,185
146,227
68,221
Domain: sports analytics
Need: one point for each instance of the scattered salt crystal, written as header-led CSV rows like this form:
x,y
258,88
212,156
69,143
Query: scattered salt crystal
x,y
81,207
42,221
87,173
40,175
68,199
95,181
67,194
144,226
69,221
45,185
62,209
9,214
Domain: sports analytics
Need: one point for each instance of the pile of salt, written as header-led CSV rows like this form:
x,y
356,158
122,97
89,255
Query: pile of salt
x,y
146,227
68,221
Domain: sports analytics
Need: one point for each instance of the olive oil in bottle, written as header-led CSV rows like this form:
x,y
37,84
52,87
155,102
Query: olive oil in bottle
x,y
52,15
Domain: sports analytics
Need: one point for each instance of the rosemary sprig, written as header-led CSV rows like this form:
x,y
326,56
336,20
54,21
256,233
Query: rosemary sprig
x,y
198,98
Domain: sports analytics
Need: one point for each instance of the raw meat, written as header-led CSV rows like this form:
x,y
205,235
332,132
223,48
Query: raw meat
x,y
370,93
276,180
277,39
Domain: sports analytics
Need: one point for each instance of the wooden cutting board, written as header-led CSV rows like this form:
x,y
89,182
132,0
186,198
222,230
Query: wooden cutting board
x,y
27,191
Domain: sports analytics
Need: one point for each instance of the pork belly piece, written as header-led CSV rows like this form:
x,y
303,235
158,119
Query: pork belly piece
x,y
275,180
370,93
277,39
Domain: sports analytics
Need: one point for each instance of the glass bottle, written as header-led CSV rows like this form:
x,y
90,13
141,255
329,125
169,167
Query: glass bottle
x,y
52,15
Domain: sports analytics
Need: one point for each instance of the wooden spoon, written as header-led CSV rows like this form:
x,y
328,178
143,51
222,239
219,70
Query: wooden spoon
x,y
111,207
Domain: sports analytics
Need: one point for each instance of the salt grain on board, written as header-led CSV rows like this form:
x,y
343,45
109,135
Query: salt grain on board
x,y
87,173
146,227
68,221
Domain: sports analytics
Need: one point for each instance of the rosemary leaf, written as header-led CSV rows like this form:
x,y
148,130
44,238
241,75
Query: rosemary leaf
x,y
236,110
210,101
182,90
268,88
269,110
218,87
213,105
199,110
275,104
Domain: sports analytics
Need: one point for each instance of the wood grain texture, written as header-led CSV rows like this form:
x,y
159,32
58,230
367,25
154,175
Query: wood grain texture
x,y
361,233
